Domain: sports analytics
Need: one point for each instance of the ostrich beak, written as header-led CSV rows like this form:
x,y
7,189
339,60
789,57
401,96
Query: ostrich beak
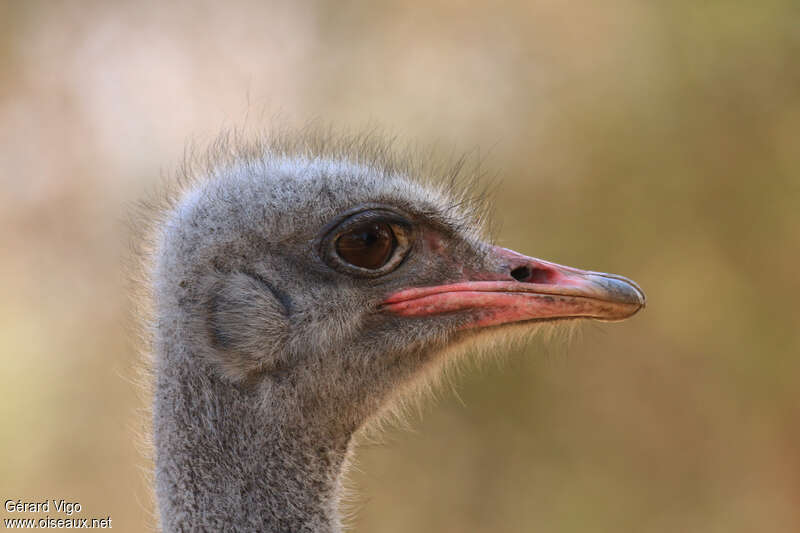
x,y
526,288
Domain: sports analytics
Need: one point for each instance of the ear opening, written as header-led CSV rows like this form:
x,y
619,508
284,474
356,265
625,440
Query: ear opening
x,y
247,324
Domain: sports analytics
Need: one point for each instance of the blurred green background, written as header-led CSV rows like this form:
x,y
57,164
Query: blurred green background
x,y
659,140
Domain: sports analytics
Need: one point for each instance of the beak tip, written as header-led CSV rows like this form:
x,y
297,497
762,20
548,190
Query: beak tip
x,y
621,288
640,295
640,300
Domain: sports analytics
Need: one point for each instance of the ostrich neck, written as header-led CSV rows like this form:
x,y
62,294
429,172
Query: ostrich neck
x,y
224,462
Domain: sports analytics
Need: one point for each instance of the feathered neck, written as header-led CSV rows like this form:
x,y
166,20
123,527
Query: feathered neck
x,y
225,461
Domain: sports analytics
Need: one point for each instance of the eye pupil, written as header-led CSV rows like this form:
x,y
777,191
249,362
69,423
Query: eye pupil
x,y
368,246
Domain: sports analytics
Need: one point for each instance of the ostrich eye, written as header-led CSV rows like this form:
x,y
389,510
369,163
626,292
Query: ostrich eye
x,y
367,246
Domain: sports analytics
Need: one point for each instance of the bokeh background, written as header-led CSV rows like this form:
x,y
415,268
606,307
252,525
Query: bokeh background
x,y
660,140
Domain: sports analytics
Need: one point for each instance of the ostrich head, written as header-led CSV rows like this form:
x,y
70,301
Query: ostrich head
x,y
296,296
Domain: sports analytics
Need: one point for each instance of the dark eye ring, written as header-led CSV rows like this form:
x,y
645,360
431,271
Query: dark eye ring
x,y
368,244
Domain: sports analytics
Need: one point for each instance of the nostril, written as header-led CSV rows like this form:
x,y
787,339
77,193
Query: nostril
x,y
521,273
532,275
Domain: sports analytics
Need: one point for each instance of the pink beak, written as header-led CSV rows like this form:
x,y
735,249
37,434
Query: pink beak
x,y
531,289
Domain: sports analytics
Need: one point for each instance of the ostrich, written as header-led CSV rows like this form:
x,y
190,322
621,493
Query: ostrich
x,y
302,289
